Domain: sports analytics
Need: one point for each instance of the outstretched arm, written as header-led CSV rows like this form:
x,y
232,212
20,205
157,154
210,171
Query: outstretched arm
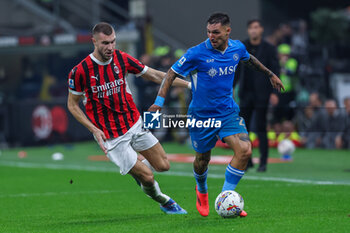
x,y
73,107
163,90
255,64
158,76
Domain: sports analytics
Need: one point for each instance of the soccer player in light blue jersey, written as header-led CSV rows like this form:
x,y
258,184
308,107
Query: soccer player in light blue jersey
x,y
211,66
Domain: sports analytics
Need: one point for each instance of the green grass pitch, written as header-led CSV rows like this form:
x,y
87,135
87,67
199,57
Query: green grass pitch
x,y
310,194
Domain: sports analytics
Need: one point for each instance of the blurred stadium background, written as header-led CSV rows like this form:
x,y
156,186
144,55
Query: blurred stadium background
x,y
41,40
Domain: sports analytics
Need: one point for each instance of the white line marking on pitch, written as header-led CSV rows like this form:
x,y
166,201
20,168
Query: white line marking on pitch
x,y
264,178
169,173
56,193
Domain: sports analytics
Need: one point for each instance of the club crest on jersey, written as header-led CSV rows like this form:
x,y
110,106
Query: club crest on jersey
x,y
212,72
116,69
235,57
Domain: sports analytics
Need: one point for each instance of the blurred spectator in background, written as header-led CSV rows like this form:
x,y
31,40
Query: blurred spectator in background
x,y
287,33
327,127
275,37
300,39
308,122
286,104
315,101
289,132
333,123
282,34
346,134
255,90
304,122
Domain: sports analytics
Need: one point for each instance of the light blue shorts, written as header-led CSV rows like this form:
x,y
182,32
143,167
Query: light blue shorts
x,y
204,138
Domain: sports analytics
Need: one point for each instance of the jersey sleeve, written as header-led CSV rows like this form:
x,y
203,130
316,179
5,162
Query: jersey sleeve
x,y
134,66
185,64
244,53
75,81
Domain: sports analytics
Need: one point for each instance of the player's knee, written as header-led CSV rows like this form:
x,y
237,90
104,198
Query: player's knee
x,y
246,151
203,161
163,166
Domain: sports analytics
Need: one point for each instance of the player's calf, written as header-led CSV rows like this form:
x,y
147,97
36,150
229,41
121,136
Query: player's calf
x,y
142,174
146,179
201,162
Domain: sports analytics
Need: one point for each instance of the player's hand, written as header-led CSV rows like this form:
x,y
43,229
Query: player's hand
x,y
276,83
154,108
100,138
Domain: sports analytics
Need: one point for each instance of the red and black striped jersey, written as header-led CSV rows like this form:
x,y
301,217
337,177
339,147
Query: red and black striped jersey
x,y
108,100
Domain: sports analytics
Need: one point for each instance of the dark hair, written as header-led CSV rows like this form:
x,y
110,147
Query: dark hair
x,y
254,21
103,27
219,17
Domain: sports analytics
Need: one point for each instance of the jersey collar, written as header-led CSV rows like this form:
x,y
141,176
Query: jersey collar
x,y
100,62
210,46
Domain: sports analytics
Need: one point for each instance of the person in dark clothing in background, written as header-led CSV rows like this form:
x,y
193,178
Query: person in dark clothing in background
x,y
255,92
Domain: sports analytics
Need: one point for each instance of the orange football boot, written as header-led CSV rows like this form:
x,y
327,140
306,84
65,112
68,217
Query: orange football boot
x,y
202,203
243,214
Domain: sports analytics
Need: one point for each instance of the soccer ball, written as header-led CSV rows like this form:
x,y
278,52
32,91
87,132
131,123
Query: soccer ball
x,y
286,147
57,156
229,204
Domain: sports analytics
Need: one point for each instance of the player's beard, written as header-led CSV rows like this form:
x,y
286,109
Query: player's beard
x,y
220,44
104,56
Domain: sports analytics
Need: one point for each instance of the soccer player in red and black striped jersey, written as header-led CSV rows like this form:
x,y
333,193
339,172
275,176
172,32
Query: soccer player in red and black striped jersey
x,y
111,115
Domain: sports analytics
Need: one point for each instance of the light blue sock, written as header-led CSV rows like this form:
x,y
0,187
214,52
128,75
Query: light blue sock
x,y
201,181
232,177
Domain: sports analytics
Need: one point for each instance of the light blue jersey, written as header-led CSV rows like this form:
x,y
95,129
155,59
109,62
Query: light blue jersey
x,y
212,73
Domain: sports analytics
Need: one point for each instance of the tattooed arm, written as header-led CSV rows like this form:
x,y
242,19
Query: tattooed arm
x,y
255,64
166,83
